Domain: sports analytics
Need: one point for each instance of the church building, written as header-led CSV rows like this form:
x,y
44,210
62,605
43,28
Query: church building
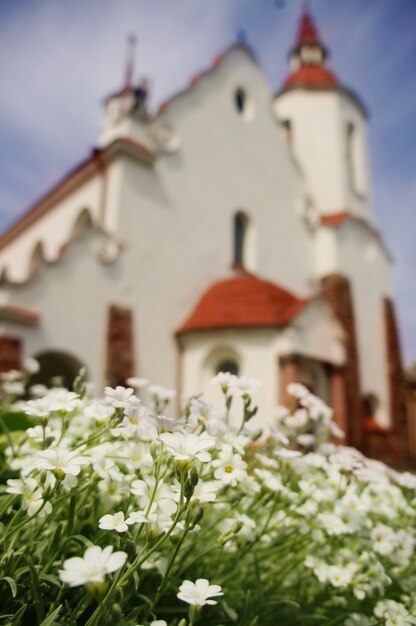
x,y
231,230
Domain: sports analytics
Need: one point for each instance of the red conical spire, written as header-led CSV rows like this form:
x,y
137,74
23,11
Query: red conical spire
x,y
308,57
307,31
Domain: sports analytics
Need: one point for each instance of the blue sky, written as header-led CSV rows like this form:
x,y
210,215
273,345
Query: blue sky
x,y
59,58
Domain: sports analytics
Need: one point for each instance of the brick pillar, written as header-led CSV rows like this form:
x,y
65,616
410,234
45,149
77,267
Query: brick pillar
x,y
289,373
11,349
120,346
399,435
411,417
337,291
337,392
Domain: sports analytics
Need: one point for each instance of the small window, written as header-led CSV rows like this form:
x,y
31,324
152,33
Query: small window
x,y
287,127
243,104
240,230
240,100
228,365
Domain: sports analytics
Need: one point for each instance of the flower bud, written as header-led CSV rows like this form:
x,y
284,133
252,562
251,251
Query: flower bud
x,y
153,450
194,478
188,489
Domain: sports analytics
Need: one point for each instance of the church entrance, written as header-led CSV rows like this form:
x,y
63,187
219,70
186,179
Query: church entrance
x,y
56,369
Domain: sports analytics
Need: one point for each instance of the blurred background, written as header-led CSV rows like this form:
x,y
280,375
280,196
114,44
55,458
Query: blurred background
x,y
60,58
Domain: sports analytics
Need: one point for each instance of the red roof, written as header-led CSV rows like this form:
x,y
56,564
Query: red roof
x,y
307,32
336,219
314,76
243,301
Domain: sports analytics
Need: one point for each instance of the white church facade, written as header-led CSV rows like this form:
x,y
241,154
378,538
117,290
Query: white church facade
x,y
233,229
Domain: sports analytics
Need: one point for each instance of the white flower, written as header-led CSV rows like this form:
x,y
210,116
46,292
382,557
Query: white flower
x,y
114,522
394,613
203,491
137,383
199,592
40,408
120,397
285,453
64,400
230,467
14,388
205,414
297,390
161,393
92,567
166,424
31,365
224,380
244,387
32,500
306,439
37,433
163,498
139,517
11,376
38,391
60,460
184,447
98,411
160,397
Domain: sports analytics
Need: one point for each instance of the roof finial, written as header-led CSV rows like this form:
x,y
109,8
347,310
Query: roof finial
x,y
131,51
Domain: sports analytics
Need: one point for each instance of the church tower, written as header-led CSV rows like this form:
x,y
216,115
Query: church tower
x,y
326,126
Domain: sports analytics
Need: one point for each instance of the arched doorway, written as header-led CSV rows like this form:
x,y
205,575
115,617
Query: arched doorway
x,y
54,365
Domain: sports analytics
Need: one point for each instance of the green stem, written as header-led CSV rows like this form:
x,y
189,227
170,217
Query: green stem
x,y
119,580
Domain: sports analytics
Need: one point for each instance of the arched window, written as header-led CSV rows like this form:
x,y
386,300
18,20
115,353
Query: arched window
x,y
240,100
355,160
243,104
82,224
240,232
229,365
54,365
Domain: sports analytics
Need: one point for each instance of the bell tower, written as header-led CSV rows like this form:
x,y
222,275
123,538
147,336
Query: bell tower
x,y
326,127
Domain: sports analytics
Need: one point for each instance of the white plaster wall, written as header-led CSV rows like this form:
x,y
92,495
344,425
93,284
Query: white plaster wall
x,y
53,230
175,222
257,359
73,296
319,120
314,333
176,218
359,199
361,258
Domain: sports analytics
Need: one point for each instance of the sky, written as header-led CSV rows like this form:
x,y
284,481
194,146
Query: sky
x,y
60,58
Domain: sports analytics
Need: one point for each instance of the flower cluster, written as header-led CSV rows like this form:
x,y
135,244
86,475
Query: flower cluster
x,y
111,509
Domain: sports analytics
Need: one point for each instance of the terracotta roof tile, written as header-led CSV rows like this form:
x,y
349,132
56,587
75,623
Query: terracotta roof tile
x,y
311,76
244,301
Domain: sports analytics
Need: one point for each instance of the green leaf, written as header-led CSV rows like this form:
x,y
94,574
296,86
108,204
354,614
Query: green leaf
x,y
53,580
50,619
233,615
37,593
12,584
18,616
17,420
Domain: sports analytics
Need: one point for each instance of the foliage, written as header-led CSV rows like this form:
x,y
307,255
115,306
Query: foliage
x,y
197,519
